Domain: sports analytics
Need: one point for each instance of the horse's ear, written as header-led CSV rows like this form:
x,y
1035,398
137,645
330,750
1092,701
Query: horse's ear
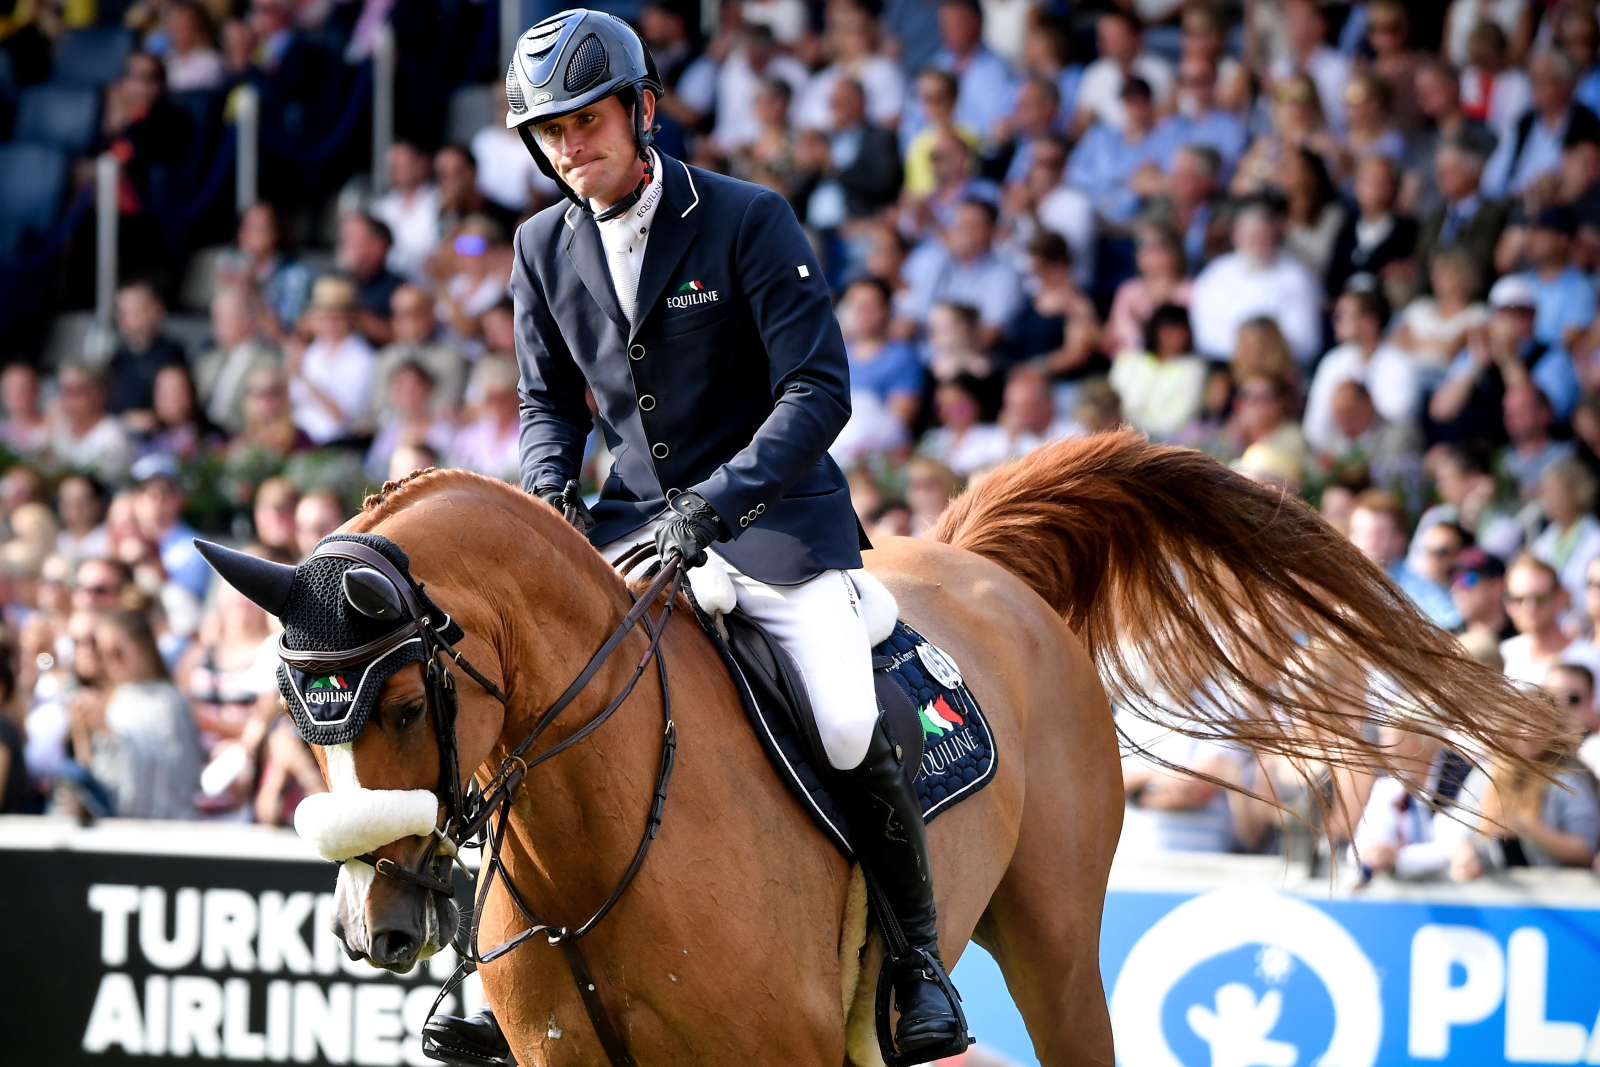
x,y
261,580
375,596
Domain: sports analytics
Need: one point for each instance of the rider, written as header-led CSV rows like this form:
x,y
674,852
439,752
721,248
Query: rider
x,y
692,307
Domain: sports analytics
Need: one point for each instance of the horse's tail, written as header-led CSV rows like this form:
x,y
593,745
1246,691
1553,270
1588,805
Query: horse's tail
x,y
1233,609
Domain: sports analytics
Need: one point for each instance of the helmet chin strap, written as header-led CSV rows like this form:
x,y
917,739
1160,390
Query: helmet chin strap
x,y
642,139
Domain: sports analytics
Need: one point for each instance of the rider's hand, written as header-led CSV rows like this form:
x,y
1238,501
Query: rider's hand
x,y
694,524
569,503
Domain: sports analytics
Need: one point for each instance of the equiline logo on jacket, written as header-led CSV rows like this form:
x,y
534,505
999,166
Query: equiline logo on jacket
x,y
692,292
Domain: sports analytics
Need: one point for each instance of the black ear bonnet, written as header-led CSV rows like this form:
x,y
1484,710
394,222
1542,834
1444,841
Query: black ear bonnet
x,y
350,617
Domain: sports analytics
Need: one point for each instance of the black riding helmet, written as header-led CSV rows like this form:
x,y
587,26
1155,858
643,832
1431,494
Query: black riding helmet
x,y
569,61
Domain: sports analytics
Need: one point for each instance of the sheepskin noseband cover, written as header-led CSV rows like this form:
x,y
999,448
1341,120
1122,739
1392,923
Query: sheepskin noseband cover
x,y
333,707
352,822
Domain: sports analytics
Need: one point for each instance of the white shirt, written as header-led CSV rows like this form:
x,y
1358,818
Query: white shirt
x,y
103,450
1231,290
736,94
624,239
507,174
1389,376
1522,667
343,372
881,83
414,221
1100,91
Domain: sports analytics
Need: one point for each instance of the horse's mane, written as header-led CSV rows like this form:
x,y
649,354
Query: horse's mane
x,y
1230,610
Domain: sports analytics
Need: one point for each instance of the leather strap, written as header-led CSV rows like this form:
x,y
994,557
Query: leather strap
x,y
615,1048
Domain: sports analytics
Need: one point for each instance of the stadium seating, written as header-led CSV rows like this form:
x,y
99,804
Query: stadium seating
x,y
60,115
32,177
92,56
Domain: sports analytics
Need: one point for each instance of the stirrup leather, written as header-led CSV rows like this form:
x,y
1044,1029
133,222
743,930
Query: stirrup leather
x,y
918,959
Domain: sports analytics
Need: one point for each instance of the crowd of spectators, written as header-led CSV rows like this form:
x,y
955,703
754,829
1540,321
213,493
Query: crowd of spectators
x,y
1348,249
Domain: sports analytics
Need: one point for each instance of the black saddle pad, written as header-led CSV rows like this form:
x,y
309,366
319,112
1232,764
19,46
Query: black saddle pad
x,y
958,754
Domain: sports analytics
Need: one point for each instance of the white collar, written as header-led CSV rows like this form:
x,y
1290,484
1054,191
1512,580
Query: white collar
x,y
620,234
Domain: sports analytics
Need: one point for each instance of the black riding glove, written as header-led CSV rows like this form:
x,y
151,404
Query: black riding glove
x,y
694,525
568,501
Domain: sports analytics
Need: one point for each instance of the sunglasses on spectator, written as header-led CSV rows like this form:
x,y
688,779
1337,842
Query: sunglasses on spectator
x,y
1538,600
101,590
470,244
1266,396
1467,580
1294,94
1567,698
1438,551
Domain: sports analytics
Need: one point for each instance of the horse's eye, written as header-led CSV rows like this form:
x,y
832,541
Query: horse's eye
x,y
410,713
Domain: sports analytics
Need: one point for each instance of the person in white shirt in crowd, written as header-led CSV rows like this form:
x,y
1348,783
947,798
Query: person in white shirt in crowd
x,y
1359,319
1257,278
1492,90
83,437
962,267
1536,601
1515,19
1170,811
853,48
1119,41
785,18
1391,451
417,340
1028,412
1433,329
192,59
1005,28
489,443
408,417
507,174
1571,541
1161,384
960,441
1305,26
330,380
475,272
1550,121
81,503
411,210
756,57
1402,832
222,373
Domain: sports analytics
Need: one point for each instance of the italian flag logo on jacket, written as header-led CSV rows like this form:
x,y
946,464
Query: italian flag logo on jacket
x,y
695,286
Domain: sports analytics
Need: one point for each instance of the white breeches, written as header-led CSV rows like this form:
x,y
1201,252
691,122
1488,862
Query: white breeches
x,y
820,624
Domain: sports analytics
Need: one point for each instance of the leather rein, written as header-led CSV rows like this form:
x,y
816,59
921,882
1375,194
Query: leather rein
x,y
485,812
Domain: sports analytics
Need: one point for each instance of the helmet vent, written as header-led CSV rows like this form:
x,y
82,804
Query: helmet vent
x,y
587,66
514,96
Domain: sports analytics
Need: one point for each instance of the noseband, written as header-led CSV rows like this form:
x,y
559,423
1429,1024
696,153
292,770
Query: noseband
x,y
484,813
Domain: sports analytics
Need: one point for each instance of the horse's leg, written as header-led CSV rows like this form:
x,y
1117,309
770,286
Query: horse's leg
x,y
1043,922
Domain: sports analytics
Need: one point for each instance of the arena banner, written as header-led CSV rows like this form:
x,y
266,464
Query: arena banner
x,y
142,941
1225,962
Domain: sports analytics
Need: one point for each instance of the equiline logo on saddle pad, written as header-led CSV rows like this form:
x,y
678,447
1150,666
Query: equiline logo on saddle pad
x,y
958,749
691,293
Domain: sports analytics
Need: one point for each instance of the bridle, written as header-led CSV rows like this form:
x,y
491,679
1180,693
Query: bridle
x,y
484,812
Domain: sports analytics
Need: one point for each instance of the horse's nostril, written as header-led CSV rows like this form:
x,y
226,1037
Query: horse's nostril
x,y
392,946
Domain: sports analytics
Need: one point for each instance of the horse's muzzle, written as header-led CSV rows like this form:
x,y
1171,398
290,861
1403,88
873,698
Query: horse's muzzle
x,y
390,923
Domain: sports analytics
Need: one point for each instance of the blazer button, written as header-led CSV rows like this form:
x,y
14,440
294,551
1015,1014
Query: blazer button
x,y
659,450
647,403
761,509
744,520
636,352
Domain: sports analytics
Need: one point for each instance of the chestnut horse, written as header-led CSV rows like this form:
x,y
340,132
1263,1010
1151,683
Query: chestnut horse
x,y
1099,563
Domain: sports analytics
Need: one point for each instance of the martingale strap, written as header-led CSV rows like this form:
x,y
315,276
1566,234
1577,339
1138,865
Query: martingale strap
x,y
487,814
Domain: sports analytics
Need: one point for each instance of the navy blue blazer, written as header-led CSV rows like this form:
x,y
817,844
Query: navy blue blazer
x,y
733,383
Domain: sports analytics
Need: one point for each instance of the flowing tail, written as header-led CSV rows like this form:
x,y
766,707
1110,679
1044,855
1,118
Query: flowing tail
x,y
1230,609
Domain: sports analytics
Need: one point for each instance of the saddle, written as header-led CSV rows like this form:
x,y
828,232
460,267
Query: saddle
x,y
929,711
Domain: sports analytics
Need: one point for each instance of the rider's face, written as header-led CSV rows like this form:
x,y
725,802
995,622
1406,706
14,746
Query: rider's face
x,y
593,149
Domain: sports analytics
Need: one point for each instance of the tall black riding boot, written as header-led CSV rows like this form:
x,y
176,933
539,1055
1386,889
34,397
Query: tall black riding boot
x,y
891,842
475,1041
